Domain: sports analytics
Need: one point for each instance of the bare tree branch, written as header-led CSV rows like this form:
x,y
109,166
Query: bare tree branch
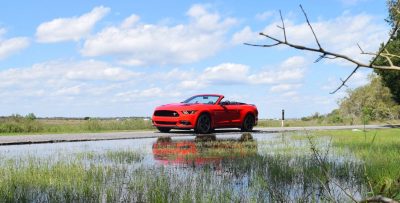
x,y
345,80
324,54
311,28
283,25
379,198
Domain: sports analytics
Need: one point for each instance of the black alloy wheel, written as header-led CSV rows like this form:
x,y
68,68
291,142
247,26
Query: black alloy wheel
x,y
203,125
248,123
163,130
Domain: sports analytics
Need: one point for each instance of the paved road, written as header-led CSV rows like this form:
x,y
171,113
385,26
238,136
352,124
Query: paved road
x,y
53,138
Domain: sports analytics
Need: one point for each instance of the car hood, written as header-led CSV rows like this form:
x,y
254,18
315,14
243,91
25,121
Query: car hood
x,y
178,106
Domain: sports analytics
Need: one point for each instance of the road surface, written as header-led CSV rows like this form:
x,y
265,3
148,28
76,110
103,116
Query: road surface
x,y
78,137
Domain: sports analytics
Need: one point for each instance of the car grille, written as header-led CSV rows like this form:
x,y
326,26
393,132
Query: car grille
x,y
165,123
166,113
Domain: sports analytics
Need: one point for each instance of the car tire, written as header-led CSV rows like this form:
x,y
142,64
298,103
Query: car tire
x,y
203,124
248,123
163,130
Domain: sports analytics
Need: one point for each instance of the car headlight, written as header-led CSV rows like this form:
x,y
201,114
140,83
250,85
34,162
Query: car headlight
x,y
189,112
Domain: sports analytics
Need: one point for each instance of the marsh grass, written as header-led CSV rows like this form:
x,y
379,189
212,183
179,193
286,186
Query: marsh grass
x,y
318,122
380,153
244,172
21,125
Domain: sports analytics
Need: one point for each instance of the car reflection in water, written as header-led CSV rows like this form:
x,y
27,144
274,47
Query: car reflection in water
x,y
203,150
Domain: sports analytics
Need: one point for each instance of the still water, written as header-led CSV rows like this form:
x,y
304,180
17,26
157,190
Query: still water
x,y
232,167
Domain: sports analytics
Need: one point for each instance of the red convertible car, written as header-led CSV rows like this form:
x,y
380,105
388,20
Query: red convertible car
x,y
203,113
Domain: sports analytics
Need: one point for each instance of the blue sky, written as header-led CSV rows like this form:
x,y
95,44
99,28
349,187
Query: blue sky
x,y
123,58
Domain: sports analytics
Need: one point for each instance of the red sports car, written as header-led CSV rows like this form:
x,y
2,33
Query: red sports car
x,y
203,113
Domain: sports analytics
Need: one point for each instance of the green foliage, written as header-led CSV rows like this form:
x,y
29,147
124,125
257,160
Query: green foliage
x,y
17,124
31,116
370,102
335,117
391,78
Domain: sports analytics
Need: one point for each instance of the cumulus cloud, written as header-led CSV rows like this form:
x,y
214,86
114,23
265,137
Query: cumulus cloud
x,y
340,34
135,43
284,87
264,15
290,70
246,35
12,45
351,2
63,78
223,74
65,29
140,95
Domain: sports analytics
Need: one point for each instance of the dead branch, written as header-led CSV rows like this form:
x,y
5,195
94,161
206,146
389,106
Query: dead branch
x,y
379,198
324,54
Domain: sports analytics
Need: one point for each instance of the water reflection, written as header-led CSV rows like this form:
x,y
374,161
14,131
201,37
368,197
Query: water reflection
x,y
224,168
203,150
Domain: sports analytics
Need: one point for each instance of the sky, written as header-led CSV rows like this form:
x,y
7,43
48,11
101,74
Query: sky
x,y
124,58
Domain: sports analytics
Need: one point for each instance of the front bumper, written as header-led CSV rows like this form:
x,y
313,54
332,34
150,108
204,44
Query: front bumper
x,y
181,122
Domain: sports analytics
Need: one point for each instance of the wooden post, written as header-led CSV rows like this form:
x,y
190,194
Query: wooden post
x,y
283,117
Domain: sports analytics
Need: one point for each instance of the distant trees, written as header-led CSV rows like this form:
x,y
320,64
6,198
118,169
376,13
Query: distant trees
x,y
373,101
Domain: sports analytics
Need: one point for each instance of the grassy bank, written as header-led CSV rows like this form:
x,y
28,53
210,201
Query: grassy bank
x,y
317,122
21,125
380,152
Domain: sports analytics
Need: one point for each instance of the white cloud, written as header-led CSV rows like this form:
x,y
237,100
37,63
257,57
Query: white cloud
x,y
246,35
292,94
223,74
264,15
227,73
130,21
140,95
360,78
284,87
12,45
64,29
63,78
340,34
74,90
351,2
291,69
135,43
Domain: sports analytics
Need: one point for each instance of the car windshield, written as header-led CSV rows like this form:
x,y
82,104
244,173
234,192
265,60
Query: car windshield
x,y
202,99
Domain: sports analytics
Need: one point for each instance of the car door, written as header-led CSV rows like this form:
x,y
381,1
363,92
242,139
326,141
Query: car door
x,y
233,112
222,115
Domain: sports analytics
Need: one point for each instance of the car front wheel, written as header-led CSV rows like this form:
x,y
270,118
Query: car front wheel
x,y
248,123
163,130
203,125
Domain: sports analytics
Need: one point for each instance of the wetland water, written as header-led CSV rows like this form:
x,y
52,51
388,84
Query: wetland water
x,y
222,168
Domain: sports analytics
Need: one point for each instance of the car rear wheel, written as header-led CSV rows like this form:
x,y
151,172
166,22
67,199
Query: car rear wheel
x,y
248,123
163,130
203,125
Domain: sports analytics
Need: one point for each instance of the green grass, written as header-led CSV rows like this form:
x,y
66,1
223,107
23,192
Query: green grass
x,y
281,169
240,174
16,126
380,152
314,122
